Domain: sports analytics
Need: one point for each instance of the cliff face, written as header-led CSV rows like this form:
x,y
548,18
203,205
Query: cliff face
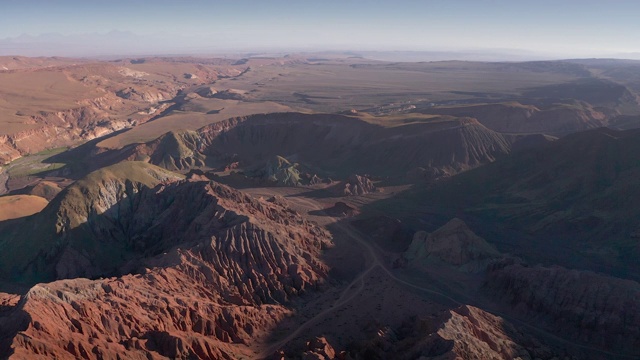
x,y
201,270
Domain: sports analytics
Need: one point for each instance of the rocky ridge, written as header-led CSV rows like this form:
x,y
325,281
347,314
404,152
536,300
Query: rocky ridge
x,y
201,270
358,185
595,310
338,144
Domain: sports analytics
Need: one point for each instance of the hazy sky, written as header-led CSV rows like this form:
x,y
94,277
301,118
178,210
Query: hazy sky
x,y
567,28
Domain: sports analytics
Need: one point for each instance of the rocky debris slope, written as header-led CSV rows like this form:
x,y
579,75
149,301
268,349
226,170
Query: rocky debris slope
x,y
337,144
454,244
201,270
594,309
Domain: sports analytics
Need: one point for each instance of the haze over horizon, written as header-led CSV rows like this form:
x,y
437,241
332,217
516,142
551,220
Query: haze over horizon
x,y
546,29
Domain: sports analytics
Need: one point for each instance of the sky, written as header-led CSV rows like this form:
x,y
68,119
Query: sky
x,y
568,28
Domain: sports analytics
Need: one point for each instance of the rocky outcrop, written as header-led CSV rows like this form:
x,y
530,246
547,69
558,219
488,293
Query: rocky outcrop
x,y
358,185
226,94
276,171
341,209
207,92
594,309
454,244
319,349
145,94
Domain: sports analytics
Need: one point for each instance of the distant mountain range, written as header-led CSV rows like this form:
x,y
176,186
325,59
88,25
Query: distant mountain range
x,y
117,43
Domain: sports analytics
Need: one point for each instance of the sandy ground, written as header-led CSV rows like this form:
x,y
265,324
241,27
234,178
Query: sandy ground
x,y
17,206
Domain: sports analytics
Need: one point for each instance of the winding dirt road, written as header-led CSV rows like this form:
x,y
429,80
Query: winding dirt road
x,y
374,261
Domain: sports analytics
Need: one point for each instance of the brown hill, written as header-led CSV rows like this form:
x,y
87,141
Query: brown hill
x,y
357,185
44,189
337,144
453,244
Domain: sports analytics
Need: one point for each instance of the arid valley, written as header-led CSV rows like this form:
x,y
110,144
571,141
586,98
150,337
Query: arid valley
x,y
319,206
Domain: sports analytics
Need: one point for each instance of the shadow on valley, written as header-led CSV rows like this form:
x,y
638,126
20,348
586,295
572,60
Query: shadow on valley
x,y
81,160
571,203
13,320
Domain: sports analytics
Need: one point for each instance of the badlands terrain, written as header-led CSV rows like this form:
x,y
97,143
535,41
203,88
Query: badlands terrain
x,y
319,206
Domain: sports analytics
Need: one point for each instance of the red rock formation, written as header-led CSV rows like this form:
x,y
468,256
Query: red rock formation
x,y
206,270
